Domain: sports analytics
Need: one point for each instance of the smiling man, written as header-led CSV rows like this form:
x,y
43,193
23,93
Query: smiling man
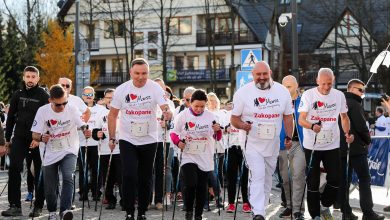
x,y
259,109
137,100
24,106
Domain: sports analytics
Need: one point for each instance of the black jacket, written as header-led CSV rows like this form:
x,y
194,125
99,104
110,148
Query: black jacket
x,y
358,127
24,105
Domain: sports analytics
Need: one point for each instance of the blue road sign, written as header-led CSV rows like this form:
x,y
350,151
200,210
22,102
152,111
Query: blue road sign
x,y
249,57
242,78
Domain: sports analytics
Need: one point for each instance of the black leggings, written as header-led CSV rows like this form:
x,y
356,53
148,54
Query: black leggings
x,y
331,162
195,187
137,170
234,168
115,175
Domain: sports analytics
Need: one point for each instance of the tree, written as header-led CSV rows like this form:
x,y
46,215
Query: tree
x,y
55,58
4,82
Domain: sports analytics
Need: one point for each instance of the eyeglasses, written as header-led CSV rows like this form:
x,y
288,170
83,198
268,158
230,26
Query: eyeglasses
x,y
188,100
360,89
60,104
88,94
65,86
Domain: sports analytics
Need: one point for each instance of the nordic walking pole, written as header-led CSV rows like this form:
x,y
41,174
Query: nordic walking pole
x,y
164,164
216,160
310,164
85,188
242,170
177,182
97,175
105,184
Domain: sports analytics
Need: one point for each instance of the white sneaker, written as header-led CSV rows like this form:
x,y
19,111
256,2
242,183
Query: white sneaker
x,y
52,216
326,214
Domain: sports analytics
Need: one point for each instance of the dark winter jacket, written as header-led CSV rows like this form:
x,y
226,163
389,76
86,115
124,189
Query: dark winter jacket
x,y
24,105
358,127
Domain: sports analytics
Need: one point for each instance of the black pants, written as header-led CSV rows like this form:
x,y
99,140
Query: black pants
x,y
115,175
92,165
195,187
137,163
175,170
19,151
158,172
30,177
331,162
233,169
359,164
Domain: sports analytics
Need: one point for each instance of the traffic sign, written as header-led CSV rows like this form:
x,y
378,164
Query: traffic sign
x,y
242,78
83,57
249,57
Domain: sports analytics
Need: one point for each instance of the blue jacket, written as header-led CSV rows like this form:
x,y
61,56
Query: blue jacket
x,y
300,130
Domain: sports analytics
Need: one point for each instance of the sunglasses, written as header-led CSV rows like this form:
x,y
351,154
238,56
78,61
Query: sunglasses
x,y
360,89
60,104
65,86
188,100
88,94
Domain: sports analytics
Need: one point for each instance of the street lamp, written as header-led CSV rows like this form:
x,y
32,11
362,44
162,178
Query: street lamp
x,y
283,20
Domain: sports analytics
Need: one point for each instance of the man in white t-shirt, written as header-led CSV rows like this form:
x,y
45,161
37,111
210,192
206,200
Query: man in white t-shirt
x,y
137,100
320,108
259,109
75,100
56,125
381,128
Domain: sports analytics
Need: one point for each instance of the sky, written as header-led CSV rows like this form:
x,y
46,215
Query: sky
x,y
18,7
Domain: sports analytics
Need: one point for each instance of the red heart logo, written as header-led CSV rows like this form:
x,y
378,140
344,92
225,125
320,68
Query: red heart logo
x,y
191,124
53,122
261,100
320,104
132,96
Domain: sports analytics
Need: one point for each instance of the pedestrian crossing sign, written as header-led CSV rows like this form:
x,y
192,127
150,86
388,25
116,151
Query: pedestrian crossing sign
x,y
249,57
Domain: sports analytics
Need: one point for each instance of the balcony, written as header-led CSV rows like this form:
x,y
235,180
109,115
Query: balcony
x,y
112,78
224,38
94,44
202,75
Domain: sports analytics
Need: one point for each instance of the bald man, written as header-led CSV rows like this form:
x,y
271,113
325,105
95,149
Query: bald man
x,y
320,108
259,109
293,158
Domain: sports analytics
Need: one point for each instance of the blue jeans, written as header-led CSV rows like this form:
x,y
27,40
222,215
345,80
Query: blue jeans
x,y
67,167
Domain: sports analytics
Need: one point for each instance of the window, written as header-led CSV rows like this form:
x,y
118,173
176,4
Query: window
x,y
288,1
117,65
99,66
348,26
152,54
299,28
114,28
243,28
179,62
224,24
192,62
219,61
180,25
139,53
139,37
152,37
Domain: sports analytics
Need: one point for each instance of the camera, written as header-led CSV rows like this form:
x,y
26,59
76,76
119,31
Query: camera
x,y
284,18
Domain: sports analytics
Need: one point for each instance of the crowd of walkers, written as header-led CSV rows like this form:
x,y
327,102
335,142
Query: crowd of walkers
x,y
158,150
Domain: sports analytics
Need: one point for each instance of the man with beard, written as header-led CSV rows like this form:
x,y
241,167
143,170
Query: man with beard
x,y
259,109
24,105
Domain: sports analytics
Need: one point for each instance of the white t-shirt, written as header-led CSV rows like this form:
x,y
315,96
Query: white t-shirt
x,y
101,123
232,138
78,103
265,109
97,112
197,129
62,127
381,122
160,130
138,108
221,118
324,108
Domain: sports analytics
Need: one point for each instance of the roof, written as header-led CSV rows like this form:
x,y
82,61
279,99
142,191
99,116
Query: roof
x,y
66,5
318,18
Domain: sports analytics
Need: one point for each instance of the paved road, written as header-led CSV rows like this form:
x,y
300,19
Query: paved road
x,y
273,209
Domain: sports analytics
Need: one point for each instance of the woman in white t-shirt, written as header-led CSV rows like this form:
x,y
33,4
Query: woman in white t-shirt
x,y
194,133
